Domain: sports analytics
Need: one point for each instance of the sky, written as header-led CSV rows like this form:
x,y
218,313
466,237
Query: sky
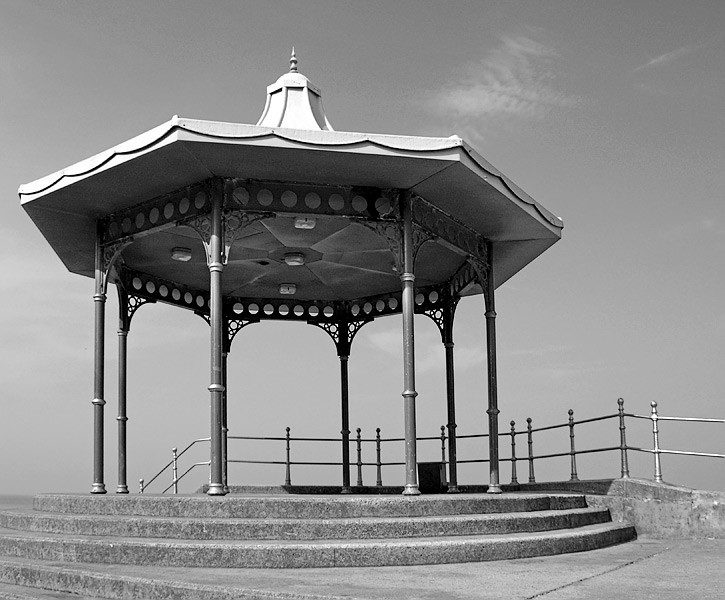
x,y
609,114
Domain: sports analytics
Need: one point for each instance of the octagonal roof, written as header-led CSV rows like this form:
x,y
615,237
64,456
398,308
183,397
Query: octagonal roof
x,y
343,259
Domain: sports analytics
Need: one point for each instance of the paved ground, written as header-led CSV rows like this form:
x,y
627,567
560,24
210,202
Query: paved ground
x,y
643,569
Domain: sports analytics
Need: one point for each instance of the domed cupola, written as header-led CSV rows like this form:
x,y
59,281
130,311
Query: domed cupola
x,y
293,101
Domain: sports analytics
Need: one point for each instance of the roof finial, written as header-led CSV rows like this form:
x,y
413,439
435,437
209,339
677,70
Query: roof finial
x,y
293,62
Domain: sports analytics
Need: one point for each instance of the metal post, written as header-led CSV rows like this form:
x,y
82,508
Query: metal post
x,y
378,462
122,418
216,386
623,440
288,470
225,429
443,444
514,479
529,435
359,459
408,308
140,486
656,436
450,399
175,470
492,411
99,300
345,432
574,476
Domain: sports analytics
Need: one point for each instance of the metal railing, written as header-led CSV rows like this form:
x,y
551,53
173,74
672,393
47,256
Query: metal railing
x,y
360,442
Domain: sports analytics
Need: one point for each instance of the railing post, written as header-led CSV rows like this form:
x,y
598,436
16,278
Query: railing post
x,y
443,444
656,436
359,459
288,473
514,479
529,435
574,476
378,463
140,486
623,440
174,470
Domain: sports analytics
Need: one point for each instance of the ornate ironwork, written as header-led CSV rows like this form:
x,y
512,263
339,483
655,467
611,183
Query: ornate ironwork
x,y
342,332
128,304
154,288
443,226
159,213
235,221
392,231
345,201
233,327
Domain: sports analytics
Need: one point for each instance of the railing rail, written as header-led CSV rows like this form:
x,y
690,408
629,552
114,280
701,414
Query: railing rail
x,y
360,443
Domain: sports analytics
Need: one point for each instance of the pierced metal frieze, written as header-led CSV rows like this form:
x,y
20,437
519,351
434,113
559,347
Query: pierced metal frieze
x,y
148,286
159,213
276,197
445,227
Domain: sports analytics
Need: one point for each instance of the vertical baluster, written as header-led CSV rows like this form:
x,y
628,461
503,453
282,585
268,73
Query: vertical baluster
x,y
514,479
140,486
529,434
443,444
379,463
175,470
359,459
656,436
623,440
288,470
574,476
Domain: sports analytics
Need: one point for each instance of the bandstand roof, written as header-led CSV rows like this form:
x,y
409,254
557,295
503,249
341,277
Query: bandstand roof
x,y
290,166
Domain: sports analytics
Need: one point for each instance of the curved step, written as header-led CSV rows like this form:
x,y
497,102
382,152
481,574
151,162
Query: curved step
x,y
304,507
299,529
277,554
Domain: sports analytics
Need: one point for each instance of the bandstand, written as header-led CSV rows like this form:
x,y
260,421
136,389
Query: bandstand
x,y
291,220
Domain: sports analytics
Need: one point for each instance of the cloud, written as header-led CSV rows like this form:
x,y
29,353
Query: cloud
x,y
664,59
516,79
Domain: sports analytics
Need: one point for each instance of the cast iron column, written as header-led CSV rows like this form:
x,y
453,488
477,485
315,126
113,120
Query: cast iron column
x,y
489,285
216,387
225,428
408,308
450,395
345,410
99,300
123,328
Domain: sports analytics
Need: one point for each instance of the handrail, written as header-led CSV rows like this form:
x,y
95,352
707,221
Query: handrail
x,y
531,457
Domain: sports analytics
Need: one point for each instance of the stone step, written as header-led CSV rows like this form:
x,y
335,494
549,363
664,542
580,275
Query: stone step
x,y
219,528
34,580
326,553
304,507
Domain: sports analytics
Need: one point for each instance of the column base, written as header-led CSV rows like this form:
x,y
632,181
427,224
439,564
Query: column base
x,y
411,490
494,489
453,489
98,488
122,489
346,490
216,489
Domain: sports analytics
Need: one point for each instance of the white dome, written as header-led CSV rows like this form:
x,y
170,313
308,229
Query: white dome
x,y
294,102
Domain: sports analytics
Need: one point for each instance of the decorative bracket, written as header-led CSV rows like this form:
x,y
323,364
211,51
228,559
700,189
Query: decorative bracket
x,y
128,304
235,221
110,254
233,327
443,315
342,333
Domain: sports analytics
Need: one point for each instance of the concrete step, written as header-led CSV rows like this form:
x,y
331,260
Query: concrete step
x,y
317,553
303,507
220,528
